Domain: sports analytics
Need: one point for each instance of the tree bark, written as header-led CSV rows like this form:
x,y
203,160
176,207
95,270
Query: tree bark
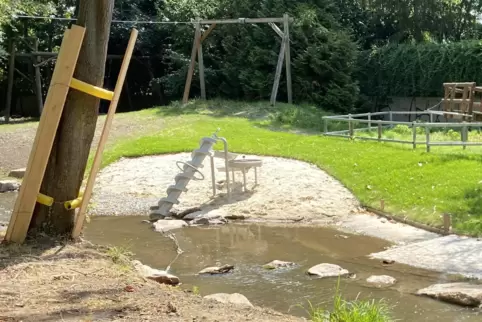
x,y
70,152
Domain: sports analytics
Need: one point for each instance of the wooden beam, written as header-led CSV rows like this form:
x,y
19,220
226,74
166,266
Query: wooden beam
x,y
190,72
104,136
11,72
279,66
242,20
53,54
38,78
207,32
286,25
276,29
46,131
201,68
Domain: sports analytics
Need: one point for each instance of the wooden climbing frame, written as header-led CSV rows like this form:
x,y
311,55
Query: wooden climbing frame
x,y
62,80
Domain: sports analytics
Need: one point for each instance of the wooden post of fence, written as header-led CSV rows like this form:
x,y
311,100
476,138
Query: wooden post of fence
x,y
390,116
414,134
350,126
427,136
325,126
379,131
431,117
447,223
11,71
464,134
369,122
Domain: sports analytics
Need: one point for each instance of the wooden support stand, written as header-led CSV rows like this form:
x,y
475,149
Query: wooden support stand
x,y
284,55
62,80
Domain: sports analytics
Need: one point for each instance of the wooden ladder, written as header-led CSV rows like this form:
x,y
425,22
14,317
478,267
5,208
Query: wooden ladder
x,y
62,81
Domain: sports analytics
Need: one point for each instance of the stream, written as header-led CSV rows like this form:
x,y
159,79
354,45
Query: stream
x,y
249,246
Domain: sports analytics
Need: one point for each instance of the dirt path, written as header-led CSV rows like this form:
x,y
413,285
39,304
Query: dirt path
x,y
16,140
80,283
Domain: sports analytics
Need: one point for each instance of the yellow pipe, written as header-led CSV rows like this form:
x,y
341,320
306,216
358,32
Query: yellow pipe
x,y
91,89
45,200
73,204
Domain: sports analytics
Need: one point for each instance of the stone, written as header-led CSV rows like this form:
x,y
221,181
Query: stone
x,y
278,264
9,185
217,270
327,270
381,280
162,226
235,298
464,294
17,173
159,276
202,218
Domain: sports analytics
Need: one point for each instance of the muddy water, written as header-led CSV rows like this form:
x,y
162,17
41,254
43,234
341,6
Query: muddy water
x,y
7,201
248,247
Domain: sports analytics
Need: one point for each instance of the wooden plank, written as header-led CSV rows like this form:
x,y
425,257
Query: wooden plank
x,y
104,136
190,72
38,79
201,67
241,20
207,32
276,29
47,129
286,24
279,66
11,72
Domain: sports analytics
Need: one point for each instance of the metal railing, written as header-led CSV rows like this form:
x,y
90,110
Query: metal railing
x,y
367,118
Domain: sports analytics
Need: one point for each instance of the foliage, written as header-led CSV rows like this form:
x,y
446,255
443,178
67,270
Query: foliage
x,y
418,70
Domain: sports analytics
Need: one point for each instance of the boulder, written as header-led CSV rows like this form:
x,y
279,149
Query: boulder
x,y
327,270
159,276
381,280
9,185
464,294
17,173
217,270
278,264
162,226
235,298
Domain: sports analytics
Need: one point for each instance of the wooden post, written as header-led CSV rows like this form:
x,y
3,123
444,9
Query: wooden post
x,y
11,72
447,223
286,24
350,126
427,137
279,66
46,131
414,134
379,131
201,66
465,135
38,79
104,136
370,122
190,72
325,126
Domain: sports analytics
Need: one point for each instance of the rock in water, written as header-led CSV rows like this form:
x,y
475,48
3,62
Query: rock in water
x,y
159,276
17,173
203,218
162,226
464,294
278,264
381,280
235,298
327,270
9,185
217,270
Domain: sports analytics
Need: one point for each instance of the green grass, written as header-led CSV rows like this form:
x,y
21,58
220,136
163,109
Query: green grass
x,y
351,311
414,184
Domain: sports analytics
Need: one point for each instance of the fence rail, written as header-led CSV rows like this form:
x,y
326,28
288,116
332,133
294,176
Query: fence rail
x,y
379,125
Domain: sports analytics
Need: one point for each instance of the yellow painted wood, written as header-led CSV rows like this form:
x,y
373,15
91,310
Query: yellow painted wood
x,y
91,89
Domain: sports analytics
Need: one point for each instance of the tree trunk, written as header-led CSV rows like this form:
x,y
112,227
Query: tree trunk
x,y
70,152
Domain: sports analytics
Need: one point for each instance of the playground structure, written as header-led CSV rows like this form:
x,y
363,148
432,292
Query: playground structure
x,y
190,168
62,81
458,105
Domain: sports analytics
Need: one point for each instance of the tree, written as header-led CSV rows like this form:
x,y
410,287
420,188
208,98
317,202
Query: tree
x,y
70,152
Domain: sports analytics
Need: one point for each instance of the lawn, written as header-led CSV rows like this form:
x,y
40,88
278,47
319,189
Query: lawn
x,y
417,185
